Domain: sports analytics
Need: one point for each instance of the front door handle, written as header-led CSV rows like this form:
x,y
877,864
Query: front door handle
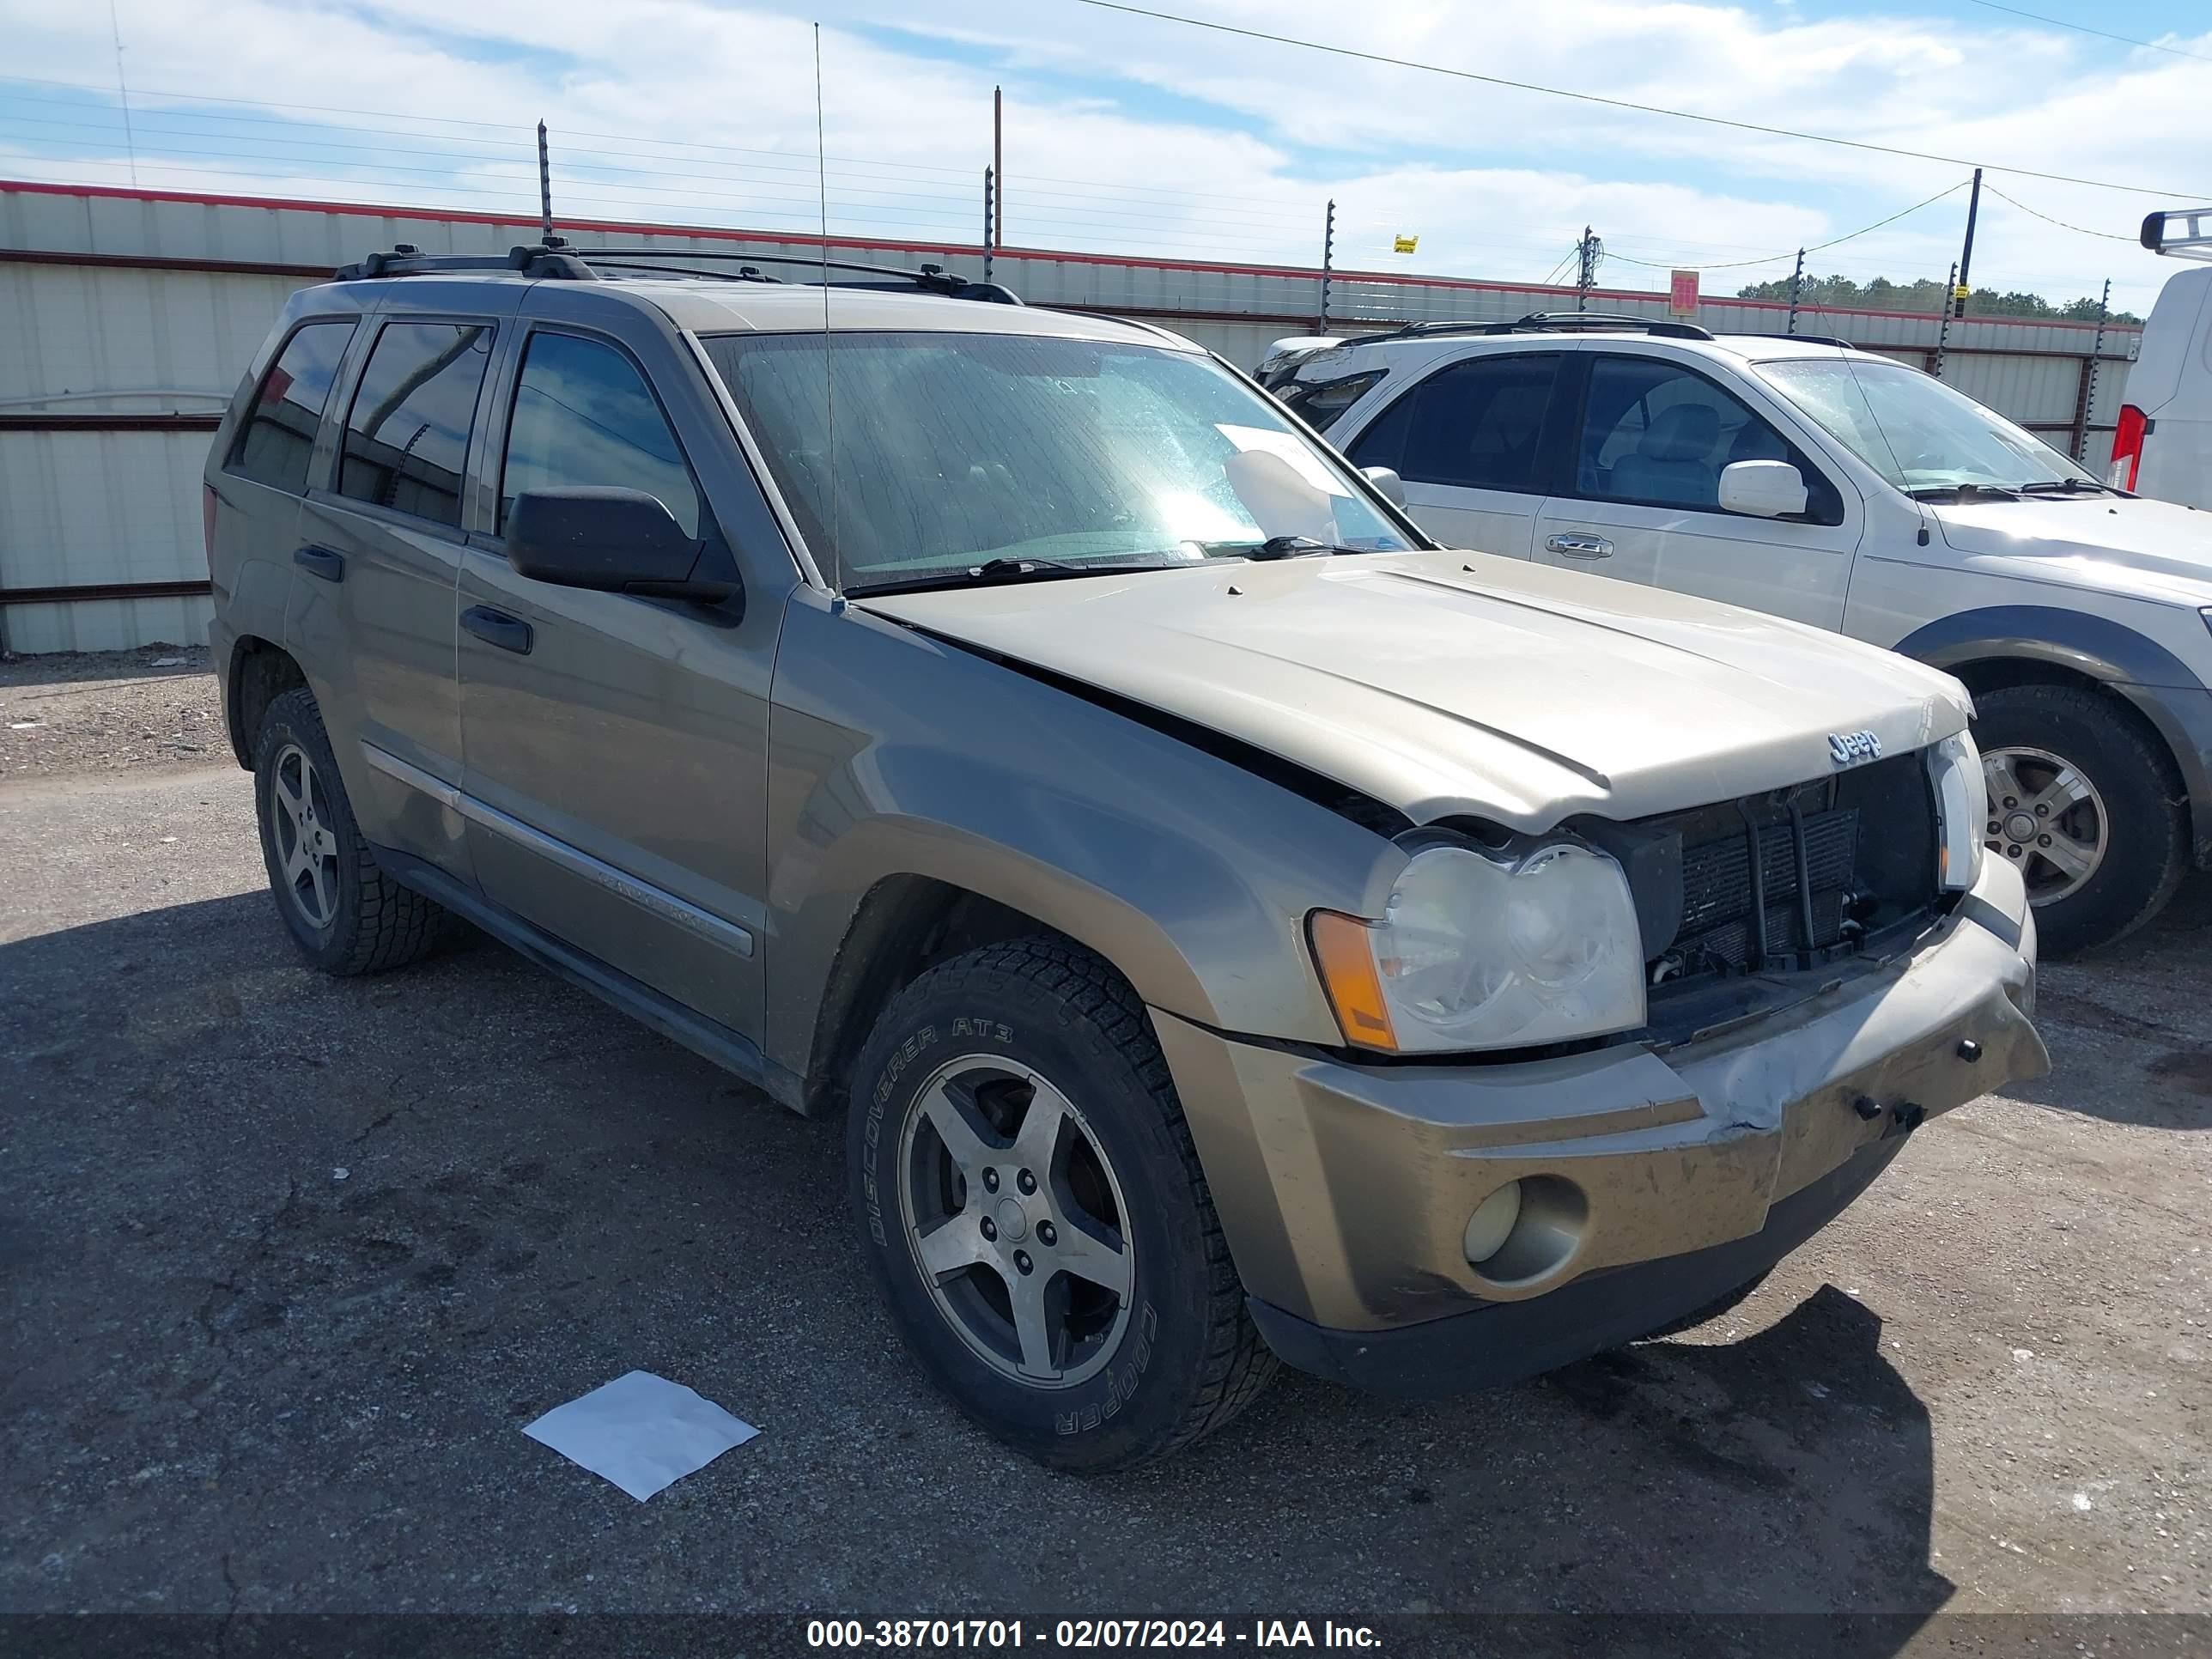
x,y
1579,546
320,562
497,628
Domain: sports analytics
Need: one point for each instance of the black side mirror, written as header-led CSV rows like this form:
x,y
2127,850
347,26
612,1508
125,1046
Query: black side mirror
x,y
615,541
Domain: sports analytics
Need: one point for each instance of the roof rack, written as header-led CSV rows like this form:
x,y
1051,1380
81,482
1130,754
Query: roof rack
x,y
551,258
1553,322
2182,233
556,258
1809,339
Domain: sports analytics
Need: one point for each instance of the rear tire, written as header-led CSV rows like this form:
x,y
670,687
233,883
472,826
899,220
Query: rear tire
x,y
1013,1124
2087,762
346,915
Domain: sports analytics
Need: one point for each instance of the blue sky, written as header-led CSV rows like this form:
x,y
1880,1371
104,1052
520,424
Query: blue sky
x,y
1135,135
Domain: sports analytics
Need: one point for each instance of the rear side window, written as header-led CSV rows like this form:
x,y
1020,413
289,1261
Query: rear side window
x,y
1475,425
583,416
279,434
408,436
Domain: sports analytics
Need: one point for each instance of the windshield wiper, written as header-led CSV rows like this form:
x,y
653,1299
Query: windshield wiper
x,y
1281,547
2067,487
997,571
1965,492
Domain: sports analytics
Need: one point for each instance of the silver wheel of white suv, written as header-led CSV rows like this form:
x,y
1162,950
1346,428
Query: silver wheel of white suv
x,y
2046,818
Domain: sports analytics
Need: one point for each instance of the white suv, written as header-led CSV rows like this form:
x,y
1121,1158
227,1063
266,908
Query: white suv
x,y
1848,492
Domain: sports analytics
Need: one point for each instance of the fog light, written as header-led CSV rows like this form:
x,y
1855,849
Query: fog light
x,y
1488,1228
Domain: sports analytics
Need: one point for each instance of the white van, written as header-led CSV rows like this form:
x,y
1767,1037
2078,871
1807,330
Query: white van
x,y
2164,444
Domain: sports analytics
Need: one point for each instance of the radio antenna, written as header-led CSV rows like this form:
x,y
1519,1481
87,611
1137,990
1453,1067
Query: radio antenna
x,y
829,378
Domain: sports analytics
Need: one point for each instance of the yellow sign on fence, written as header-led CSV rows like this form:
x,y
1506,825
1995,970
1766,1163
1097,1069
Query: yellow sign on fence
x,y
1405,244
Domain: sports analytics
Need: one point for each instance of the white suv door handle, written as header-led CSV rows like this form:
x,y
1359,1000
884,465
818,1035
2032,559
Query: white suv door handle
x,y
1579,546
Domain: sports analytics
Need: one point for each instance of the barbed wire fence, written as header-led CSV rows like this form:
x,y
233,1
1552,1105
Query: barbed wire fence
x,y
59,132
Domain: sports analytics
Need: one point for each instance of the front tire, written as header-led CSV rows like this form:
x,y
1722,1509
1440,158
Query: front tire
x,y
346,915
1034,1212
2084,802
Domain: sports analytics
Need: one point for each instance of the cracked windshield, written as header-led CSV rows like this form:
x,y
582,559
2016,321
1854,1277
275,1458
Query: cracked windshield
x,y
953,450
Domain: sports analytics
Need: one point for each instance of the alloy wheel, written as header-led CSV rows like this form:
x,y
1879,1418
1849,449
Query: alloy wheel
x,y
2046,818
1016,1221
307,850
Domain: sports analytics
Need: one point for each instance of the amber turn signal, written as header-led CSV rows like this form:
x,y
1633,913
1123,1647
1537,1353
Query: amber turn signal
x,y
1347,974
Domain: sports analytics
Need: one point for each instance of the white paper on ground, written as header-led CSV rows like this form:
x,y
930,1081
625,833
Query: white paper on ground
x,y
641,1431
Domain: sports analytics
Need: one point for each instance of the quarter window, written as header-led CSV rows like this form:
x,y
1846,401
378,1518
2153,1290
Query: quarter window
x,y
583,416
279,434
1475,425
407,436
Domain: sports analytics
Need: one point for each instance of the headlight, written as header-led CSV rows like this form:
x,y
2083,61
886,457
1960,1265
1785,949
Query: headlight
x,y
1962,809
1477,950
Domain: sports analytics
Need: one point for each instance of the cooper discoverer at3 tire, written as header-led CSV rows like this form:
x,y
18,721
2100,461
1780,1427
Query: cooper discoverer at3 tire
x,y
347,915
1034,1212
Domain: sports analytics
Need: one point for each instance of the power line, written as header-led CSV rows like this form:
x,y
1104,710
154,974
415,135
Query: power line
x,y
1626,104
2108,235
1791,253
2083,28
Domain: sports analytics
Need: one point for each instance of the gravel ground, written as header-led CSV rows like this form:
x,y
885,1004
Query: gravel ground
x,y
108,711
289,1261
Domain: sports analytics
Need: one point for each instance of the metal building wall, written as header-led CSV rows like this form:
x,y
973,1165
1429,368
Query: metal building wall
x,y
125,318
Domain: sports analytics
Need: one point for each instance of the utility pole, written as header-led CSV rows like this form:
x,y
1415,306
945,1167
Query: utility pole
x,y
2096,356
544,185
990,224
1966,253
1328,262
1587,274
1796,287
1943,328
999,166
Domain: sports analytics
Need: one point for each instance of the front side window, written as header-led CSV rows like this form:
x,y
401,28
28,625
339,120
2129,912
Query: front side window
x,y
941,450
1475,425
1657,434
279,434
1914,430
407,436
583,416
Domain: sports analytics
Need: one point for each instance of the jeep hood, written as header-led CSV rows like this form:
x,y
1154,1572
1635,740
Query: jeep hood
x,y
1450,684
2141,548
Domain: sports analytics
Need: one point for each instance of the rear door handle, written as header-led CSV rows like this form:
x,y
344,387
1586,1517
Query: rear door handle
x,y
1579,546
320,562
497,628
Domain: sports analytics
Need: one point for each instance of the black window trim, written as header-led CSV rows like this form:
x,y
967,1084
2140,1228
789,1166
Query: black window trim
x,y
494,540
1547,430
230,468
326,493
1567,484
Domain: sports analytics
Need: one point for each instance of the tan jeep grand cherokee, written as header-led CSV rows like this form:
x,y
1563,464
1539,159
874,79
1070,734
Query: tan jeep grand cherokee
x,y
1231,926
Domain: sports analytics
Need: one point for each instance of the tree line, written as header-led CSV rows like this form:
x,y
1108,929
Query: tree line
x,y
1926,295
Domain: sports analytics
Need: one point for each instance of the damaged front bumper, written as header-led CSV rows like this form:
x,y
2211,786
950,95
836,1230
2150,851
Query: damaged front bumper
x,y
1650,1184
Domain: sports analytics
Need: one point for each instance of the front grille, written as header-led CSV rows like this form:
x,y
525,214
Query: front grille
x,y
1718,898
1785,880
